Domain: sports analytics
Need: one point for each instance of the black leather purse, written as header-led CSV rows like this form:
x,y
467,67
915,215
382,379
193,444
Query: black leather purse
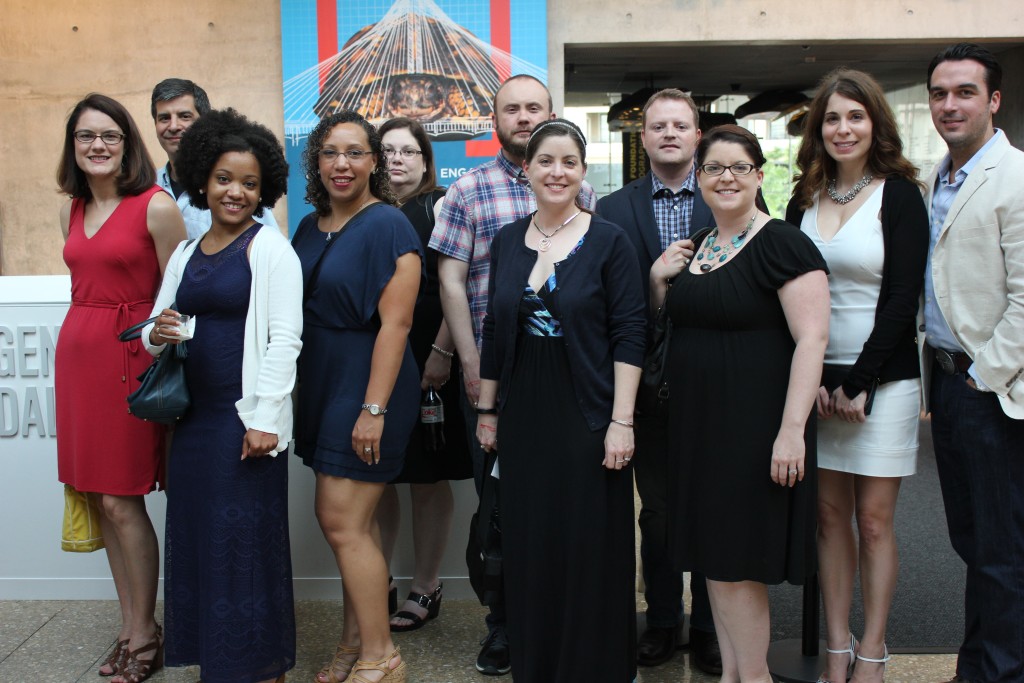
x,y
162,395
653,393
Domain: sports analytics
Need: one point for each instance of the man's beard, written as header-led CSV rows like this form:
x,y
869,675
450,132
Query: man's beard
x,y
512,147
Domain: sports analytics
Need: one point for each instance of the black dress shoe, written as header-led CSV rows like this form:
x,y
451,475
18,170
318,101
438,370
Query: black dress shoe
x,y
705,653
656,646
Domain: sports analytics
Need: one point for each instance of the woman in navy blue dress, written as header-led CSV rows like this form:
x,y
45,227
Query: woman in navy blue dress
x,y
228,579
359,384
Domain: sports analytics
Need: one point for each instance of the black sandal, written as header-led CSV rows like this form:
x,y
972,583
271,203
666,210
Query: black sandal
x,y
431,603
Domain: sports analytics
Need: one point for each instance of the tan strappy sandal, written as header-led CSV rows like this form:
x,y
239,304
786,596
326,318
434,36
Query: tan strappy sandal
x,y
341,663
396,675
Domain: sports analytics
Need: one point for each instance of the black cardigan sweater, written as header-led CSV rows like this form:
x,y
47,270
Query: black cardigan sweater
x,y
890,352
600,301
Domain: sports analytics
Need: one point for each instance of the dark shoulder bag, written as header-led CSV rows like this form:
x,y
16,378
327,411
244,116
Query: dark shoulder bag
x,y
163,394
653,393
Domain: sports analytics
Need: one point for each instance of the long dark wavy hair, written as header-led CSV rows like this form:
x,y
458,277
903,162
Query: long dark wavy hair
x,y
380,179
885,158
137,172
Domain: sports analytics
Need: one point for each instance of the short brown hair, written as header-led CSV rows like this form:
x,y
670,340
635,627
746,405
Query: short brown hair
x,y
137,172
730,132
671,94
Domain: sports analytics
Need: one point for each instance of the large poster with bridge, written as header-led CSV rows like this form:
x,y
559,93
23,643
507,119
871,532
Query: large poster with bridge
x,y
437,61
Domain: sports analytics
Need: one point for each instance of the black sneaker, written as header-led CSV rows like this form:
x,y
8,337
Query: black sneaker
x,y
493,658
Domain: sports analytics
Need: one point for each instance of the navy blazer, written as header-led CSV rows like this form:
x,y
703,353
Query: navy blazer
x,y
632,209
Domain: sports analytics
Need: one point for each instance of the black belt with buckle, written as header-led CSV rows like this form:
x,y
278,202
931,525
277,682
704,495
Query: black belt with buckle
x,y
952,362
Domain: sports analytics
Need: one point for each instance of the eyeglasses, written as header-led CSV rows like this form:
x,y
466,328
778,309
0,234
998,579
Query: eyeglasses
x,y
719,169
407,153
87,137
331,155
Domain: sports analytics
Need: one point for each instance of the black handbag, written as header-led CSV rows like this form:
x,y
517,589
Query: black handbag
x,y
483,551
162,395
653,393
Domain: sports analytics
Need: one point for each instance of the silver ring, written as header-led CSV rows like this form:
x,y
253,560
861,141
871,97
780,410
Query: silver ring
x,y
794,471
627,459
686,261
367,450
620,460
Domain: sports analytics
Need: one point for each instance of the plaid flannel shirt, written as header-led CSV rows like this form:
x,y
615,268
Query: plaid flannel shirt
x,y
475,207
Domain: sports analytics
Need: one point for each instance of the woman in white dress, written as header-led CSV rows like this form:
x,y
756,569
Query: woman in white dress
x,y
857,197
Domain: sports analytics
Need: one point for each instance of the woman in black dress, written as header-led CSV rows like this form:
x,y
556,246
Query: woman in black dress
x,y
410,159
749,317
563,340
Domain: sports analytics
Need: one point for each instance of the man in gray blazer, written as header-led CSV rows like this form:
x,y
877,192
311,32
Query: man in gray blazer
x,y
661,209
973,354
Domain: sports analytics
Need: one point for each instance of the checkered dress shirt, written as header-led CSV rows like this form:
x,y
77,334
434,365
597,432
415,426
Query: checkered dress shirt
x,y
673,211
475,207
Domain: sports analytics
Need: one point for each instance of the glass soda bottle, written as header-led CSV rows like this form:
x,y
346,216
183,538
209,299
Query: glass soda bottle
x,y
432,420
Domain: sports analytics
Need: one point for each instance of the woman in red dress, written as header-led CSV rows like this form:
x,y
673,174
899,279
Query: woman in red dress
x,y
119,230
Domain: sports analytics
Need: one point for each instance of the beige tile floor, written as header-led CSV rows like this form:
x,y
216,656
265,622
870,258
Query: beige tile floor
x,y
64,641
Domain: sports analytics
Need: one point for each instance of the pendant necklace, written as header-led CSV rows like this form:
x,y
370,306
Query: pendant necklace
x,y
332,233
852,194
545,241
721,252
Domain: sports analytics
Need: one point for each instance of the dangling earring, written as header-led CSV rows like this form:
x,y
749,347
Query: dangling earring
x,y
202,191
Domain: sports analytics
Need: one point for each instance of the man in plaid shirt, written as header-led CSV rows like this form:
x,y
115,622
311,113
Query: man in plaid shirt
x,y
475,207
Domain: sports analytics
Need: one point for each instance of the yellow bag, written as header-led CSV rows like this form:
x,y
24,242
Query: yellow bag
x,y
82,532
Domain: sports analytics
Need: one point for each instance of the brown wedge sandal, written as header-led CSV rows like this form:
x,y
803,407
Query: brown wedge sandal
x,y
341,665
396,675
137,670
115,660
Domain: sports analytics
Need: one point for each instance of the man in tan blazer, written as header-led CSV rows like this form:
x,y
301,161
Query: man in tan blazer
x,y
973,354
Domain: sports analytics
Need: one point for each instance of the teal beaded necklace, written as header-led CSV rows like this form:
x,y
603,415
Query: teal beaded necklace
x,y
720,252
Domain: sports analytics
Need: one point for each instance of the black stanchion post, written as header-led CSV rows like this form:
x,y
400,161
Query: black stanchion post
x,y
799,660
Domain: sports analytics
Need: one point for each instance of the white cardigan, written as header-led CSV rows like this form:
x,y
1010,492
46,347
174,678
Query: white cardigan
x,y
273,327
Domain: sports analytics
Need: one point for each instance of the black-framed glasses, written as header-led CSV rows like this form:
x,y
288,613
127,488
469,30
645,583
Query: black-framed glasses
x,y
407,152
331,155
87,137
719,169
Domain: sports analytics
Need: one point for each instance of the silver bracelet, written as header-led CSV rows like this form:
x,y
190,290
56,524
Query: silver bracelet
x,y
446,354
624,423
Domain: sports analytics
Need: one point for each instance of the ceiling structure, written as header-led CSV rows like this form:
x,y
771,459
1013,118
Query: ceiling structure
x,y
593,72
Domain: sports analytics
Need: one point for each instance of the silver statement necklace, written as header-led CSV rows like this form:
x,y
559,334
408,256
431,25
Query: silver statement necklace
x,y
545,241
852,194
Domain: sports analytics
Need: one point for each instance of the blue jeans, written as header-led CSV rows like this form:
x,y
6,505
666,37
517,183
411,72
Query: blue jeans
x,y
664,586
496,616
980,457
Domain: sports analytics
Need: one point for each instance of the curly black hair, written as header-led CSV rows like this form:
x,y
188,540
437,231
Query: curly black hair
x,y
222,131
380,179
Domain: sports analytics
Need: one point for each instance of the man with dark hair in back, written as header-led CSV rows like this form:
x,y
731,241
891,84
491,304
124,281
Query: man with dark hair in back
x,y
662,208
176,104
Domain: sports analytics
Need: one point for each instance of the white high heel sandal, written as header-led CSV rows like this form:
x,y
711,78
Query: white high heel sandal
x,y
852,651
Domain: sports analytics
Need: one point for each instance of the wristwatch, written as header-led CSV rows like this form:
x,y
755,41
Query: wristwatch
x,y
374,409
